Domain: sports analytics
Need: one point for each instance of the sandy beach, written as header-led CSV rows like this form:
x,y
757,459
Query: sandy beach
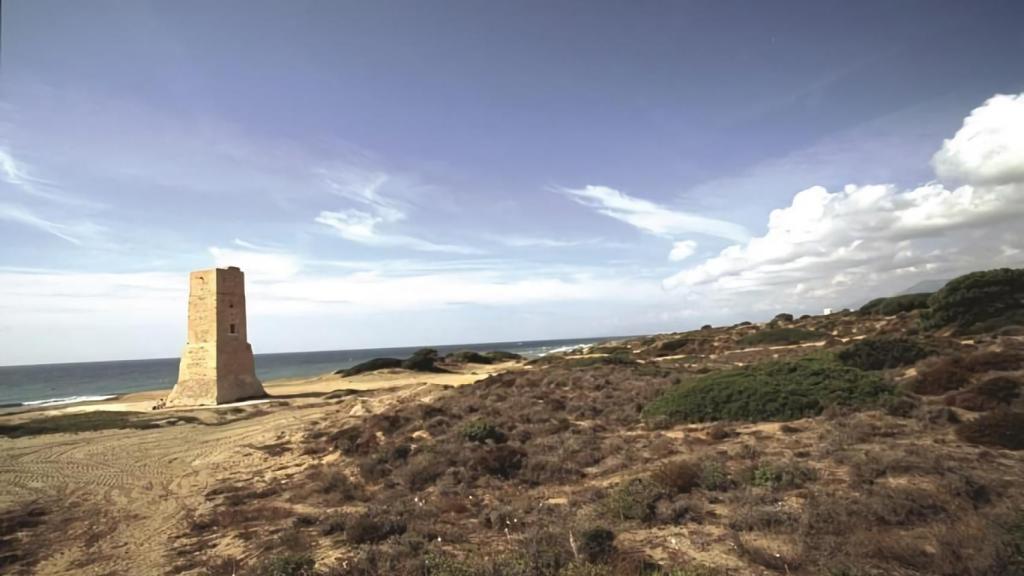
x,y
123,497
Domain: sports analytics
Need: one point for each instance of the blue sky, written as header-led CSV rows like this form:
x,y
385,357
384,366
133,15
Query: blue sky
x,y
401,173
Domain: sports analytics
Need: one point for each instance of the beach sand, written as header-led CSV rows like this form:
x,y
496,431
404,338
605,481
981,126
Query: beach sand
x,y
117,501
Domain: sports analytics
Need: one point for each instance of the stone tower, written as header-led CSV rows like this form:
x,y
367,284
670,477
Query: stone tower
x,y
217,364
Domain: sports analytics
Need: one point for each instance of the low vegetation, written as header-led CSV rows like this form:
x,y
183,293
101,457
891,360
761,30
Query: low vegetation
x,y
980,300
988,394
999,429
370,366
781,337
75,423
936,376
882,353
468,357
895,451
770,391
423,360
893,305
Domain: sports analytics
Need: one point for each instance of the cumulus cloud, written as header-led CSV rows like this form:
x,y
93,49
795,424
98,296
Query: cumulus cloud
x,y
989,148
651,217
839,246
682,250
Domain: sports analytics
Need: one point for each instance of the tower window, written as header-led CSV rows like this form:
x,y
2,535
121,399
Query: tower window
x,y
232,328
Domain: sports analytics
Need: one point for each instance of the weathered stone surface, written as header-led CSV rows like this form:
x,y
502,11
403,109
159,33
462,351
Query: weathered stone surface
x,y
217,363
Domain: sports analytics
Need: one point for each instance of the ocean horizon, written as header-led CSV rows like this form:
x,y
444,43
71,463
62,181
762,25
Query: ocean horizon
x,y
67,383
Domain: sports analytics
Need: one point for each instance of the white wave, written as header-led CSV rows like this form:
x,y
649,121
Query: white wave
x,y
67,400
563,349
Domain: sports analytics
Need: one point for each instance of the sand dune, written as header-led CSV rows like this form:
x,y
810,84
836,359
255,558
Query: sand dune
x,y
117,499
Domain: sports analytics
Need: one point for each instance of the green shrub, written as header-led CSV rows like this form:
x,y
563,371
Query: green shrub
x,y
480,431
782,475
893,305
370,366
684,345
468,357
1001,429
882,353
503,356
976,298
301,564
780,337
770,391
423,360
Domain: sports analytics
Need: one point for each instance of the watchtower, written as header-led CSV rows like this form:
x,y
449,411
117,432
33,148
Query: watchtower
x,y
217,364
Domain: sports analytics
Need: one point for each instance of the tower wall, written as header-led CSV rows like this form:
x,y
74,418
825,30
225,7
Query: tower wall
x,y
217,363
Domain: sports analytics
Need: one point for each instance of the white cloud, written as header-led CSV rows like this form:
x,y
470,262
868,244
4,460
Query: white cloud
x,y
989,148
143,313
379,292
359,226
367,187
653,218
19,175
838,247
682,250
12,170
75,233
538,242
257,264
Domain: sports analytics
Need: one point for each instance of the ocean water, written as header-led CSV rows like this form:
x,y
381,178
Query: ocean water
x,y
51,384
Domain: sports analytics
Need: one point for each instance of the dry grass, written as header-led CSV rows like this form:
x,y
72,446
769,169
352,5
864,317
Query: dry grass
x,y
552,471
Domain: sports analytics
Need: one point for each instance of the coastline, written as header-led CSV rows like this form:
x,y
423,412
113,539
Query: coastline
x,y
54,385
287,389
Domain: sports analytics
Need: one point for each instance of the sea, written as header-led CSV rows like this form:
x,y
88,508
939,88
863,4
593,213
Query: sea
x,y
56,384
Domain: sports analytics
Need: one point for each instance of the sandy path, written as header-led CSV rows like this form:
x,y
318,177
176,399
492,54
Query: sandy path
x,y
122,497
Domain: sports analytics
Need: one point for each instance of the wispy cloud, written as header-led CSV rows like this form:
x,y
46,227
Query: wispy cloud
x,y
366,187
19,175
361,227
651,217
374,191
514,241
32,189
75,233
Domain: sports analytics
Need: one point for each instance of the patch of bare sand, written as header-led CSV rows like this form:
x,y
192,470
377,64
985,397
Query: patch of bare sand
x,y
120,498
287,388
